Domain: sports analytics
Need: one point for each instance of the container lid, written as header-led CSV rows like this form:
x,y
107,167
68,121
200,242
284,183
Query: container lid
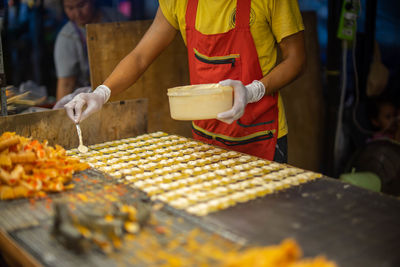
x,y
198,89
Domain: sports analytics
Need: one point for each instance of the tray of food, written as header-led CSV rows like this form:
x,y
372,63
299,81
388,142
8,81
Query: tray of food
x,y
190,175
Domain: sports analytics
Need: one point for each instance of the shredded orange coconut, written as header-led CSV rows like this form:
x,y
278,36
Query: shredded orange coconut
x,y
287,254
30,168
317,262
187,250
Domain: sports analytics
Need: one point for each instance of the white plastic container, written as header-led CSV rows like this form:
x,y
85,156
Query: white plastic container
x,y
199,102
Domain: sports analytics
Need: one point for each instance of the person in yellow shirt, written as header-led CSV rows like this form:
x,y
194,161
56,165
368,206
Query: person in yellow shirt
x,y
234,43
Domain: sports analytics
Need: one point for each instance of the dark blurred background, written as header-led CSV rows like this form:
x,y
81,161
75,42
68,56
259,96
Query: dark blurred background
x,y
29,31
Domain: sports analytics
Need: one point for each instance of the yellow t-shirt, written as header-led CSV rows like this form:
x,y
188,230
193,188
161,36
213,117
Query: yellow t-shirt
x,y
270,22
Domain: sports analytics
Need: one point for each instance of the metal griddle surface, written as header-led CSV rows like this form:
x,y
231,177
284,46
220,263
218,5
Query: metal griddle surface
x,y
350,225
29,223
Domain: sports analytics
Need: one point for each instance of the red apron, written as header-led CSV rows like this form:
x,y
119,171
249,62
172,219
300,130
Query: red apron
x,y
232,55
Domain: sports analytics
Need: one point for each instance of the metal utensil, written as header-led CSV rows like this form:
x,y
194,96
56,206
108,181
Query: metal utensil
x,y
81,148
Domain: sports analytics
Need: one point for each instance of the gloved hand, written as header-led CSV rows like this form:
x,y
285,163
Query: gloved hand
x,y
243,95
66,99
94,102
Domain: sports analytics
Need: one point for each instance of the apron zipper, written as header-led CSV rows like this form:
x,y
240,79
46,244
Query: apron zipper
x,y
231,59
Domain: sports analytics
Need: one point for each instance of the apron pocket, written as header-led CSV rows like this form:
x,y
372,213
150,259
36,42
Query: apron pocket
x,y
223,67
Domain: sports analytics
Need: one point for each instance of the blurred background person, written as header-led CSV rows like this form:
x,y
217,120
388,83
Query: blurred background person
x,y
384,117
70,51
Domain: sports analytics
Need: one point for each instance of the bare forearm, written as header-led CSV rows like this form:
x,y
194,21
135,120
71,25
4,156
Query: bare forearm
x,y
293,63
65,86
126,73
129,70
282,75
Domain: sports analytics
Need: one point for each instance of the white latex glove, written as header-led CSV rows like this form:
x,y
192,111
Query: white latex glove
x,y
243,95
64,100
93,101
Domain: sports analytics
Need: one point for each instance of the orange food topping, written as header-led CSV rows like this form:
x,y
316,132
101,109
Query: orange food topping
x,y
31,168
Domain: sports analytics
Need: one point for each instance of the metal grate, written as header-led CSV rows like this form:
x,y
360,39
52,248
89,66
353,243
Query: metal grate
x,y
140,250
